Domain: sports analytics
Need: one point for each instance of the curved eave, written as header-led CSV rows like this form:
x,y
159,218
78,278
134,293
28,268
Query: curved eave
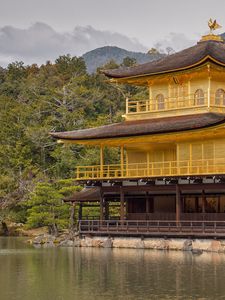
x,y
213,131
143,127
205,60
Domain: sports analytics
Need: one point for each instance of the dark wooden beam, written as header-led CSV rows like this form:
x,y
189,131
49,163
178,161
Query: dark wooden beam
x,y
203,201
218,204
178,204
80,211
101,206
166,188
196,204
147,203
122,215
72,216
106,210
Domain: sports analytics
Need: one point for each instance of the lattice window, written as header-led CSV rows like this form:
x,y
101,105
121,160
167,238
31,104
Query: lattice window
x,y
220,97
199,97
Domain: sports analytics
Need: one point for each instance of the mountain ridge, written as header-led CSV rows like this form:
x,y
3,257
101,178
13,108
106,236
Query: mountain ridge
x,y
100,56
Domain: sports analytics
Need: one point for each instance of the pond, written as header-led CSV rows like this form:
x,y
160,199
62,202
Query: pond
x,y
96,273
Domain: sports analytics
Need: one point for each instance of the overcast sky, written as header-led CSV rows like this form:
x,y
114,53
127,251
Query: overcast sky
x,y
177,22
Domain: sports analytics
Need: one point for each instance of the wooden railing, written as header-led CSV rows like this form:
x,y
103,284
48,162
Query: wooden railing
x,y
169,216
153,169
154,228
172,103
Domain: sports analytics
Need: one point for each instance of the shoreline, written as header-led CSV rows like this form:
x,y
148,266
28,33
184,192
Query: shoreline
x,y
39,237
196,246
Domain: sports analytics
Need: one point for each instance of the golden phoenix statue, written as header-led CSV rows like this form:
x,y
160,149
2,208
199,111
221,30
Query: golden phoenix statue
x,y
213,25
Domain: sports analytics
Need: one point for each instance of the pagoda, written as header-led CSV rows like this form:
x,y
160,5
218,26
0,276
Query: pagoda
x,y
171,175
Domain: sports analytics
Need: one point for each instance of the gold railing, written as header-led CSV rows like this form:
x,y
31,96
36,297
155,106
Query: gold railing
x,y
172,103
153,169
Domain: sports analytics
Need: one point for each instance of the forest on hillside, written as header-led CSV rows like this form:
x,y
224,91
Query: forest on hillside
x,y
36,172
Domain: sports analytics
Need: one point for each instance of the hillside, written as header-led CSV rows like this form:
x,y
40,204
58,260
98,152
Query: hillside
x,y
101,56
223,35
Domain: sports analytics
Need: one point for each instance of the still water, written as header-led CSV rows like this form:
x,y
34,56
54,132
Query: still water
x,y
27,273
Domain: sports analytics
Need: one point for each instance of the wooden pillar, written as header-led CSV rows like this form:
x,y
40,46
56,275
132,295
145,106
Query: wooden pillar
x,y
72,218
127,207
107,210
101,207
151,200
181,204
209,87
122,215
150,105
101,160
127,105
122,160
178,204
203,201
218,204
80,212
178,159
196,204
72,215
126,158
148,163
189,94
147,203
209,92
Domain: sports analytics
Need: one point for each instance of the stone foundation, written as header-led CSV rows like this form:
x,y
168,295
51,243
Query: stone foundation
x,y
196,245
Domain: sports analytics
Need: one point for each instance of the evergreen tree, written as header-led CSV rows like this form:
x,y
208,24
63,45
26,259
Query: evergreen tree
x,y
47,209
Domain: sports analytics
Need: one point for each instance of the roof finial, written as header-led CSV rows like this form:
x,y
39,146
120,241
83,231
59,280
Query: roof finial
x,y
213,25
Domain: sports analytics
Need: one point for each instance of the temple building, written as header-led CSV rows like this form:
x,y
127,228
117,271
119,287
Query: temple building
x,y
171,175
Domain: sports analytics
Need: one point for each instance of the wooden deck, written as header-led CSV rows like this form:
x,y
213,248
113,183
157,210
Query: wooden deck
x,y
201,167
155,228
168,104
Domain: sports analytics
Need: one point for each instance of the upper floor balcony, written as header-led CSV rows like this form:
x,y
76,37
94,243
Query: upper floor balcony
x,y
152,170
160,105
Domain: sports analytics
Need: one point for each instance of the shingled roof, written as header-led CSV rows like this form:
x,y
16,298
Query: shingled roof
x,y
90,194
185,59
144,127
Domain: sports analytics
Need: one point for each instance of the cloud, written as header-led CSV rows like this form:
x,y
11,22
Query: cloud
x,y
40,42
177,41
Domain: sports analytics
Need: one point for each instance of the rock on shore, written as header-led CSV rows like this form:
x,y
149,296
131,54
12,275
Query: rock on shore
x,y
196,246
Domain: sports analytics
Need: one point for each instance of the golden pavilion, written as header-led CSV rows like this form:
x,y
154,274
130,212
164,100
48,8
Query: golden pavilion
x,y
171,175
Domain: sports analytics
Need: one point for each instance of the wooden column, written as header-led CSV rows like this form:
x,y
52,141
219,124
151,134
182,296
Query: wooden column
x,y
190,97
126,159
101,207
80,212
150,104
218,204
72,219
151,201
203,201
178,159
209,87
196,204
209,91
178,204
122,160
122,215
72,215
127,105
148,163
106,210
101,160
147,203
